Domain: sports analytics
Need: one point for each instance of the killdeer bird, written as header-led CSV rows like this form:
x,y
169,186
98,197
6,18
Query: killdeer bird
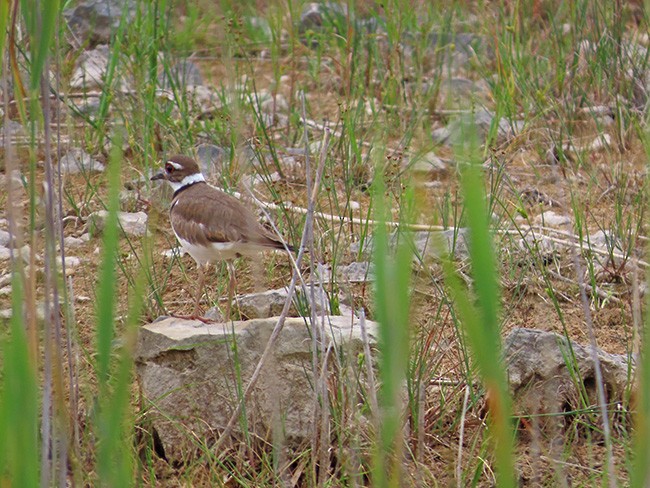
x,y
211,225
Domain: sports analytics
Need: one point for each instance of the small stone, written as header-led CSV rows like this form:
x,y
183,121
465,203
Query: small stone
x,y
24,253
270,103
271,302
132,224
86,106
482,120
5,238
260,27
5,254
441,135
5,291
261,305
426,244
317,17
78,161
129,200
70,241
176,252
7,313
426,164
542,383
12,128
356,272
91,69
94,21
204,97
214,314
354,205
552,219
70,261
183,73
211,158
82,299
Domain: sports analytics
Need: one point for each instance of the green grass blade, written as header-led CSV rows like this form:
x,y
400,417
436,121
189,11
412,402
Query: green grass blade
x,y
640,473
107,289
43,38
393,275
480,318
19,404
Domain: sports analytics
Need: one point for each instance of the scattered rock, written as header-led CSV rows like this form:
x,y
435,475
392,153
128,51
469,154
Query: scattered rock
x,y
262,305
175,252
5,253
132,224
214,314
271,302
7,313
542,383
91,69
260,28
603,141
129,200
426,164
321,17
426,244
95,20
459,48
211,158
188,371
13,128
24,252
182,74
71,262
71,242
539,243
5,291
609,243
271,103
6,238
79,161
482,120
356,272
203,98
551,219
86,106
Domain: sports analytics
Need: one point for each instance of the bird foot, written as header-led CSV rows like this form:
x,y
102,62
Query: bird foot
x,y
205,320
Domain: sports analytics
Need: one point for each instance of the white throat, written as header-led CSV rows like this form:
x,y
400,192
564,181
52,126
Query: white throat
x,y
187,181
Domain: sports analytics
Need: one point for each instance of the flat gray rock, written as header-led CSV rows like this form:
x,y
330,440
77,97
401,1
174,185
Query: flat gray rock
x,y
5,238
91,68
79,161
356,272
552,219
541,382
190,372
182,74
95,20
132,224
271,302
425,244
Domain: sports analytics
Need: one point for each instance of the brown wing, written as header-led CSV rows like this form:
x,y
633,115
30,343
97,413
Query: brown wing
x,y
227,221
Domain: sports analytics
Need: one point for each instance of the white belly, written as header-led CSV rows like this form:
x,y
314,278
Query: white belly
x,y
218,251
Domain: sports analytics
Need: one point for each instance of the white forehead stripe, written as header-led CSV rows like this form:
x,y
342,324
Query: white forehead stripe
x,y
175,165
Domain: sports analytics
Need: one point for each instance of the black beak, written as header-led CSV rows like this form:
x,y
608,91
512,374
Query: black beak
x,y
160,175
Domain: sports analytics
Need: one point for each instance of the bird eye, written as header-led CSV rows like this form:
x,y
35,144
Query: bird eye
x,y
169,168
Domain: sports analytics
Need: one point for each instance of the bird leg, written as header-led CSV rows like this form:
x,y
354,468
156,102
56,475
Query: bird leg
x,y
197,299
199,290
231,288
